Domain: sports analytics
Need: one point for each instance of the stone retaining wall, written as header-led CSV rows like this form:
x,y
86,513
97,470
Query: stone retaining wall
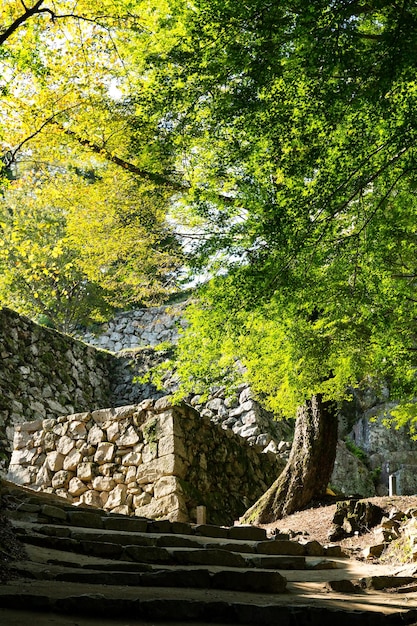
x,y
149,460
44,374
139,328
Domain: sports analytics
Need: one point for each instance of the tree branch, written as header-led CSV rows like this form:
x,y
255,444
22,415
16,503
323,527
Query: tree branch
x,y
20,20
154,177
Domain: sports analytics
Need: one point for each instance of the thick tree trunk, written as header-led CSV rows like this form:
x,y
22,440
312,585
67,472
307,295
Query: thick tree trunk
x,y
309,468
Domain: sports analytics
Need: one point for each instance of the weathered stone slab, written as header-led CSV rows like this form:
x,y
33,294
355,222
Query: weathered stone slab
x,y
208,556
76,487
247,533
147,554
259,581
86,519
280,547
208,530
125,524
54,512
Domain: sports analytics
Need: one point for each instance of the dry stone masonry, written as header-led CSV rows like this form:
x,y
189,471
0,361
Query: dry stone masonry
x,y
139,328
149,460
44,374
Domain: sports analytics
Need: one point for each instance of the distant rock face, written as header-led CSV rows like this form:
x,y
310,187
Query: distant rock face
x,y
350,474
389,451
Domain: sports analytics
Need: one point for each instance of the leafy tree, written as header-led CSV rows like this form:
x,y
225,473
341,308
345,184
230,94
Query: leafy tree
x,y
287,133
39,271
77,244
97,162
305,116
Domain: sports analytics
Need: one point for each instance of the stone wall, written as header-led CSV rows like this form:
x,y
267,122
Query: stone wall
x,y
44,374
139,328
149,460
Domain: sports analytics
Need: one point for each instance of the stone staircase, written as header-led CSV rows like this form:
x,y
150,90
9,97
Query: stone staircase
x,y
86,562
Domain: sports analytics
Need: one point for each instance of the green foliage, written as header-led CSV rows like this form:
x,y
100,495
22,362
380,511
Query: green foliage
x,y
303,115
150,431
279,139
403,415
356,451
39,273
81,151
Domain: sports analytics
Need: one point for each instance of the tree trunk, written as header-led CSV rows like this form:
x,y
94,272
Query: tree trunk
x,y
309,467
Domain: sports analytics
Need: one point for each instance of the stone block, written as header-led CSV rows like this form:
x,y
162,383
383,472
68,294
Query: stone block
x,y
105,417
85,471
55,461
208,530
162,507
103,483
113,432
121,510
60,480
130,524
76,487
116,497
172,444
65,444
280,547
166,445
91,498
79,417
253,581
43,477
104,453
149,452
85,518
72,460
313,548
77,429
132,458
95,435
53,512
141,500
162,404
166,485
247,533
129,438
164,466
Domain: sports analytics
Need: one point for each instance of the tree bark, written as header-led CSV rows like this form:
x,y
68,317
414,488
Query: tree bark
x,y
309,468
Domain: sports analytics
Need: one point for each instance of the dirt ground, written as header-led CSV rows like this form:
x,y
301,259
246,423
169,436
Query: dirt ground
x,y
315,522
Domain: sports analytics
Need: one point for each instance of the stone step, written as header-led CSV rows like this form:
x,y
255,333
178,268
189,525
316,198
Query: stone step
x,y
34,509
185,607
153,554
260,581
168,540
